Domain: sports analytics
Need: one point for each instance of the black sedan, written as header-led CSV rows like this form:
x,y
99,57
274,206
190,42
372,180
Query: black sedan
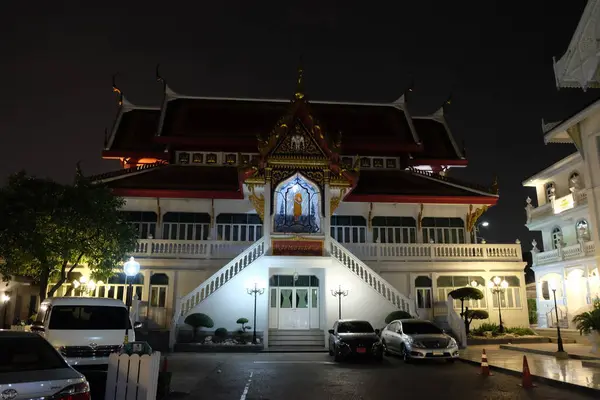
x,y
351,337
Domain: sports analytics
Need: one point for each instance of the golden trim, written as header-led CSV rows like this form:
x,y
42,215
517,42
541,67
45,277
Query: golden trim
x,y
420,218
335,202
474,215
370,217
257,201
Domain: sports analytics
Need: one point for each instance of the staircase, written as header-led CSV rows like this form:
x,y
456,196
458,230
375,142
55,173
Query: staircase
x,y
296,340
370,277
567,335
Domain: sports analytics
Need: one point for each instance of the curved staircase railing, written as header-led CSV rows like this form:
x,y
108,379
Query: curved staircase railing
x,y
370,277
563,318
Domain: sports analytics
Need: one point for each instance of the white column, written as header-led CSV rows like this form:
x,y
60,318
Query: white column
x,y
267,219
326,222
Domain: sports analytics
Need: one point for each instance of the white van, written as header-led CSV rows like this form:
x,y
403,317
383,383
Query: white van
x,y
85,330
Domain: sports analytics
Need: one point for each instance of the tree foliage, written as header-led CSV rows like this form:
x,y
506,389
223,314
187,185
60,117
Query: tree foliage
x,y
199,320
466,293
47,229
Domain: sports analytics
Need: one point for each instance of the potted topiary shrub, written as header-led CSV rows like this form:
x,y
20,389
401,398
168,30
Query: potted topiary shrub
x,y
198,320
589,323
242,336
220,335
465,293
474,314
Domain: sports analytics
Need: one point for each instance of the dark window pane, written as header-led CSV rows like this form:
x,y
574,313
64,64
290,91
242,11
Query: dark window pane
x,y
286,280
314,281
88,318
303,280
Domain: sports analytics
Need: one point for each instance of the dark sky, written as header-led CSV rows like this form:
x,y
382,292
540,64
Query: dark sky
x,y
495,58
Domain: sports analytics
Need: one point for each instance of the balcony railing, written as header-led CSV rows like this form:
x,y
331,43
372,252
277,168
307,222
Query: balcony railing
x,y
165,248
585,249
546,210
435,252
212,249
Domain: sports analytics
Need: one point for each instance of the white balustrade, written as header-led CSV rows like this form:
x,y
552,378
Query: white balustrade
x,y
370,277
435,252
165,248
221,277
457,324
572,252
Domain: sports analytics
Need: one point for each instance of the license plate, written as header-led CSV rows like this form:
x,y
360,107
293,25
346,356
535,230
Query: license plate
x,y
438,353
361,350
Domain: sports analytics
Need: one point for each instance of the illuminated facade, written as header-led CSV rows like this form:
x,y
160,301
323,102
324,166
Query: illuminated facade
x,y
302,197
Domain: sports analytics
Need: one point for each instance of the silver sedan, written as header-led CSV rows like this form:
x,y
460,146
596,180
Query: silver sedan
x,y
30,368
418,339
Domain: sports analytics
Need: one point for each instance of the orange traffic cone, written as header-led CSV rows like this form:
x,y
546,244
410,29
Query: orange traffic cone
x,y
527,382
485,368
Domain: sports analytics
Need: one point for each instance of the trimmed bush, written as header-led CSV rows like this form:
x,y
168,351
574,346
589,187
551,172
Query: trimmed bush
x,y
520,331
532,306
486,327
394,315
243,321
199,320
220,335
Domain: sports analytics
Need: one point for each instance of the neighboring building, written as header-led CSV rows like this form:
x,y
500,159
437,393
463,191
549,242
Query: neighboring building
x,y
304,197
19,300
568,192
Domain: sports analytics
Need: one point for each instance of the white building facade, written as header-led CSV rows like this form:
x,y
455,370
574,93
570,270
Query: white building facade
x,y
361,202
568,192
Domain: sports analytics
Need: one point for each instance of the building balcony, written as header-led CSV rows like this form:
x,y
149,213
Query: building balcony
x,y
213,249
585,249
571,201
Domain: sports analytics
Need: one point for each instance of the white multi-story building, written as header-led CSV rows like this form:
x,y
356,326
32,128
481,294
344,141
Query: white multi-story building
x,y
303,198
568,192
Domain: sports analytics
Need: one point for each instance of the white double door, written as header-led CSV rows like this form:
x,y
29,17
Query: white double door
x,y
296,307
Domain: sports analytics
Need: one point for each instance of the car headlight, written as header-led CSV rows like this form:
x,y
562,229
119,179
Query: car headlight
x,y
452,343
413,343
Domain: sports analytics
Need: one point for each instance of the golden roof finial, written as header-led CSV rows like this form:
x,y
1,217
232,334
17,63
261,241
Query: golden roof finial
x,y
117,90
300,84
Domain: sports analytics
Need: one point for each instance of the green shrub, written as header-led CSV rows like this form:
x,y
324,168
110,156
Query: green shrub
x,y
220,335
199,320
486,327
520,331
243,321
470,315
394,315
588,321
532,306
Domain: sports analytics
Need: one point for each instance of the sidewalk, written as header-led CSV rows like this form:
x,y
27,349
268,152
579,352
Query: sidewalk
x,y
566,372
576,351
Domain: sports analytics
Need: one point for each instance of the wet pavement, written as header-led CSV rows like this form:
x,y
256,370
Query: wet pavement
x,y
575,350
546,366
303,376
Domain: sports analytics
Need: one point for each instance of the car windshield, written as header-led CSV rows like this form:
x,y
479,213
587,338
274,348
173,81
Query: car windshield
x,y
28,354
89,318
355,327
417,328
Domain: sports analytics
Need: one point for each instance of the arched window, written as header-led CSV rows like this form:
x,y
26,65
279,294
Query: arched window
x,y
574,181
550,189
556,238
583,230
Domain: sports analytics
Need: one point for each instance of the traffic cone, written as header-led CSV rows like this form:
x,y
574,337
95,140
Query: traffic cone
x,y
485,368
527,382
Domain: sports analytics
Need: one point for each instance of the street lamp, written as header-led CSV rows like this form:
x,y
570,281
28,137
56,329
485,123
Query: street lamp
x,y
254,289
339,293
484,224
561,349
131,268
4,299
498,285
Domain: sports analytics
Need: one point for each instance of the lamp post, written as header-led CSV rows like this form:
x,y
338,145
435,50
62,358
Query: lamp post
x,y
339,293
498,285
131,269
254,289
5,298
561,350
484,224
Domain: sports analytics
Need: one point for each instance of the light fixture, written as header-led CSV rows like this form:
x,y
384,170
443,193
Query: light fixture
x,y
485,224
76,284
255,288
497,280
5,298
91,286
83,280
474,283
131,267
552,284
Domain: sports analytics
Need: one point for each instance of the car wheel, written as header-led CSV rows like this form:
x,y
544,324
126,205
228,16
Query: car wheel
x,y
336,356
405,354
385,348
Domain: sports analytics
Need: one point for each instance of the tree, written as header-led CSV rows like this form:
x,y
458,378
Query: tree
x,y
48,229
465,293
243,321
198,320
470,315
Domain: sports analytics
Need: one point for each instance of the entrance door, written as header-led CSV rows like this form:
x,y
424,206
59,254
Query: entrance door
x,y
294,310
424,309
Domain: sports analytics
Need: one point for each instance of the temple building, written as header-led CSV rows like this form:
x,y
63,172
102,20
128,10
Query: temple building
x,y
301,198
568,192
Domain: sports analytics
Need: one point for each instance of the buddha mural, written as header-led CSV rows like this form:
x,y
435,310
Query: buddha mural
x,y
297,206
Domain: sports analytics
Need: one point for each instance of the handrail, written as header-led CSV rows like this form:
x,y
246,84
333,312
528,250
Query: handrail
x,y
457,324
563,320
370,277
219,278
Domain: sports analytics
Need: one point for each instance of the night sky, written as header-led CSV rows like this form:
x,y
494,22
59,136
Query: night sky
x,y
494,57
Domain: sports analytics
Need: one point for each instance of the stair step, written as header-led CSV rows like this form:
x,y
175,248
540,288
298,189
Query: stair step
x,y
297,332
296,338
287,343
564,340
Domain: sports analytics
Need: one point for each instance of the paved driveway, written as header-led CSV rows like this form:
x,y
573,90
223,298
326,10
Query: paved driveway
x,y
315,376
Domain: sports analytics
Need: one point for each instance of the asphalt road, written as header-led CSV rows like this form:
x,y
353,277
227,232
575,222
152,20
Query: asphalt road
x,y
316,376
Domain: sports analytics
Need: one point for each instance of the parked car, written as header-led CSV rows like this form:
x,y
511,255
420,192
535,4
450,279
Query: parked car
x,y
418,339
30,368
352,337
85,330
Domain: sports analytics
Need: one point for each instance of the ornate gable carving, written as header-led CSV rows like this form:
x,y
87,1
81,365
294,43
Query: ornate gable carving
x,y
297,141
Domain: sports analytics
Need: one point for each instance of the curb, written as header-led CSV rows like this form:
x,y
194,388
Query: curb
x,y
538,379
546,353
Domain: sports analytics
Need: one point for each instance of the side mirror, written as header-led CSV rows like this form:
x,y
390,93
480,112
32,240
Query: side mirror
x,y
137,325
377,332
37,328
330,331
